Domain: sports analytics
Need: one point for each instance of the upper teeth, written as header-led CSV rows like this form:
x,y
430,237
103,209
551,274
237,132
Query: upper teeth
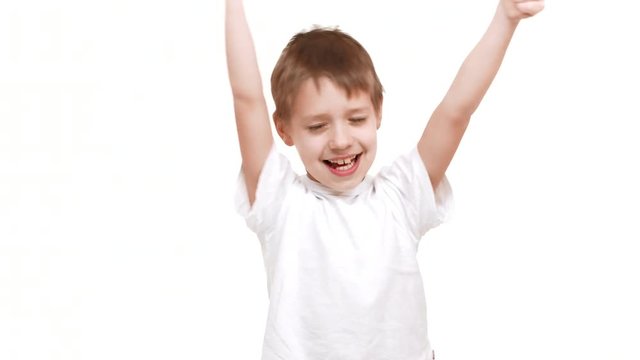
x,y
343,161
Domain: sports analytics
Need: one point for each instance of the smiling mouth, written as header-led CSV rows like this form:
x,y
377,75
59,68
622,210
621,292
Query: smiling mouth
x,y
343,165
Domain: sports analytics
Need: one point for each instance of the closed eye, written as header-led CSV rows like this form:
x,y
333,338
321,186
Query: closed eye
x,y
315,127
358,119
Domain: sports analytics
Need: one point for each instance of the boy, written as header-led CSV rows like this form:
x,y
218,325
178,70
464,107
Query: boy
x,y
339,246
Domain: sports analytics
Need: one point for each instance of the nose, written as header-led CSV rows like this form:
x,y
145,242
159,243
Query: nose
x,y
340,138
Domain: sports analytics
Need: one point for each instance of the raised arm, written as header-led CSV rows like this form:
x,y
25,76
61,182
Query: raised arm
x,y
449,121
252,116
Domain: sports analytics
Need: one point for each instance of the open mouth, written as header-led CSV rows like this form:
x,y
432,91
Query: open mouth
x,y
344,166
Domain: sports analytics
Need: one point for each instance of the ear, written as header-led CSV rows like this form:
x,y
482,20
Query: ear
x,y
282,129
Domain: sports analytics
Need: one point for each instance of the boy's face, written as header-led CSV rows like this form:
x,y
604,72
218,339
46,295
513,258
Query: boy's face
x,y
335,135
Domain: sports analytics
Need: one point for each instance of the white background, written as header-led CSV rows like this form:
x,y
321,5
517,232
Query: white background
x,y
118,162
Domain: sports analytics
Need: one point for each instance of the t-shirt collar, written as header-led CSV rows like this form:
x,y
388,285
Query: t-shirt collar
x,y
318,188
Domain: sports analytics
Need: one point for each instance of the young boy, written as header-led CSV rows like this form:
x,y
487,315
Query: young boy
x,y
339,246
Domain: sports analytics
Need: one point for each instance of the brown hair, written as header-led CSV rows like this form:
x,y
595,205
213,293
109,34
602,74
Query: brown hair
x,y
323,52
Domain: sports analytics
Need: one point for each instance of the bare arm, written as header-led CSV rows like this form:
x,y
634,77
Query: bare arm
x,y
449,121
252,117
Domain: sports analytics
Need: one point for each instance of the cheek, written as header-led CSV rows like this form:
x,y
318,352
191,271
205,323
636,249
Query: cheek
x,y
310,146
369,137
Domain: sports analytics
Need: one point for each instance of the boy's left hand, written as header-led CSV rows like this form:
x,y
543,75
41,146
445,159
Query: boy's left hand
x,y
521,9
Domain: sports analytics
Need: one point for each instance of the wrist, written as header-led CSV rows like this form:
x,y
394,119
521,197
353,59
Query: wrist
x,y
503,15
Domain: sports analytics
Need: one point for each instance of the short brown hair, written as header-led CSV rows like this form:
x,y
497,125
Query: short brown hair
x,y
323,52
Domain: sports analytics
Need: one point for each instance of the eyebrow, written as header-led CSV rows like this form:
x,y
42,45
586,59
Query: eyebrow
x,y
325,116
322,116
357,110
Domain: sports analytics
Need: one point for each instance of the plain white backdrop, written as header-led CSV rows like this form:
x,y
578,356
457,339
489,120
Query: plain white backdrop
x,y
119,158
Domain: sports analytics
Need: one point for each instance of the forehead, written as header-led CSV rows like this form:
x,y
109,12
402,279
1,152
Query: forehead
x,y
323,96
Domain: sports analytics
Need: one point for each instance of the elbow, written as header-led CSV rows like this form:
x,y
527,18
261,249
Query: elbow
x,y
247,91
457,116
242,95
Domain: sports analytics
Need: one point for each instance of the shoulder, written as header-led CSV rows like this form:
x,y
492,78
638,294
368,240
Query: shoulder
x,y
405,183
275,181
404,170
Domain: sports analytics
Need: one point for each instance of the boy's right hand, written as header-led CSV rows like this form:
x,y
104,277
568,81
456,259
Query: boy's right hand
x,y
516,10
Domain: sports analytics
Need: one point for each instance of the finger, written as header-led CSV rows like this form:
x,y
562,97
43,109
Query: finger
x,y
530,8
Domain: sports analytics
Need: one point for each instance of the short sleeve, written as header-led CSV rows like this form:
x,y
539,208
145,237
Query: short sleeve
x,y
408,183
275,179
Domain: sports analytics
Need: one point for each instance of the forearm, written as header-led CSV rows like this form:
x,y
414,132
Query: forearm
x,y
242,64
479,68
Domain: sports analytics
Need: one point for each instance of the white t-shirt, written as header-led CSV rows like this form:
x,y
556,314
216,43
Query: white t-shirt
x,y
343,278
